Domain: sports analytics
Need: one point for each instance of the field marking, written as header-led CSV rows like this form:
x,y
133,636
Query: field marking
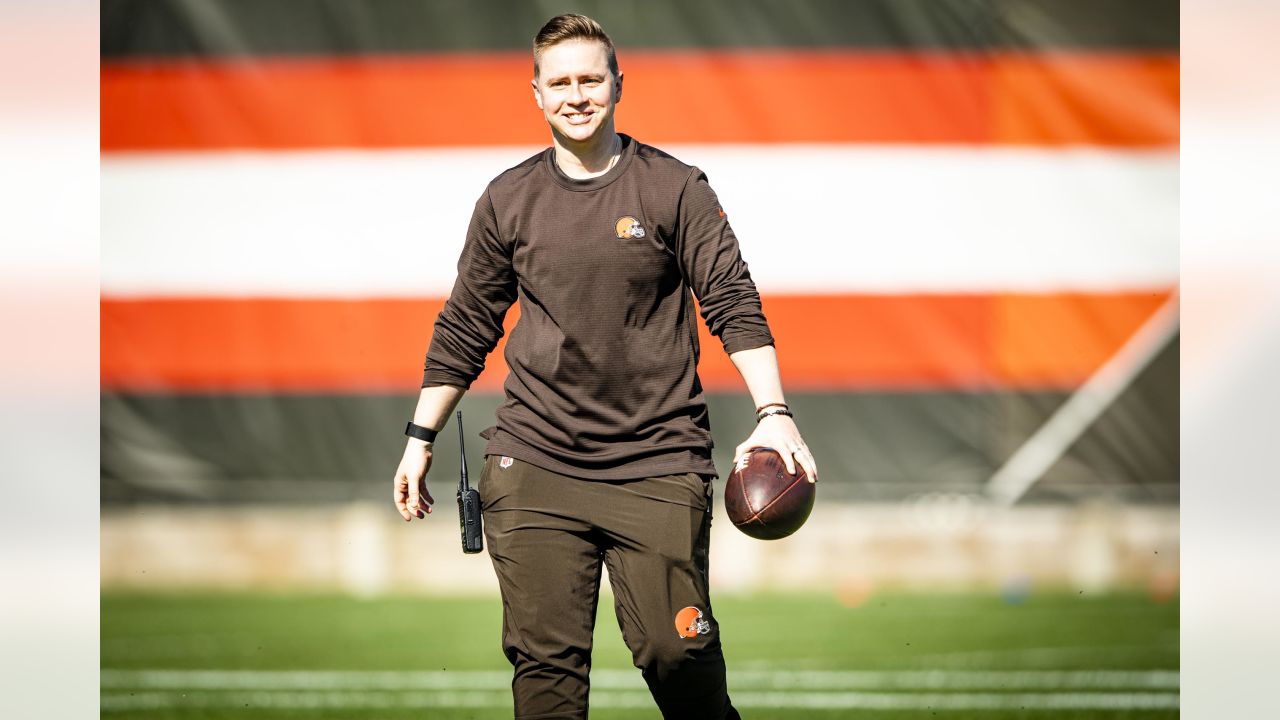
x,y
611,688
1042,656
607,679
329,699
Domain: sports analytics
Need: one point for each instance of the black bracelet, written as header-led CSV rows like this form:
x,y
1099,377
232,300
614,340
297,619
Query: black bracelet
x,y
422,433
767,413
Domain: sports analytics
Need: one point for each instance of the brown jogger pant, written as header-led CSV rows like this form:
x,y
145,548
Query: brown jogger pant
x,y
548,535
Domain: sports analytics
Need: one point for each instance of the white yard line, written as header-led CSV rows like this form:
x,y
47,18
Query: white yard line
x,y
118,701
126,690
956,701
1046,658
959,679
605,679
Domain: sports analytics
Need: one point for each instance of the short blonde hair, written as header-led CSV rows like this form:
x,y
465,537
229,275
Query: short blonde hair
x,y
571,26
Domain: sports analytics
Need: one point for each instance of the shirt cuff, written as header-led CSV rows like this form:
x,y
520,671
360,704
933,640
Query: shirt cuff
x,y
435,376
745,341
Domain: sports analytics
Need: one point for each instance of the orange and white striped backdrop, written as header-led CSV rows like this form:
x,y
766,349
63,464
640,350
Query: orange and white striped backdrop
x,y
286,185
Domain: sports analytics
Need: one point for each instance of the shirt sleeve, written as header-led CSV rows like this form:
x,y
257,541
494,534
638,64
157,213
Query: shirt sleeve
x,y
715,271
470,324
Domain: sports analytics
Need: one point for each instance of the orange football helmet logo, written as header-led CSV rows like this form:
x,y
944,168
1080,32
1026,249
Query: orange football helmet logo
x,y
628,227
690,623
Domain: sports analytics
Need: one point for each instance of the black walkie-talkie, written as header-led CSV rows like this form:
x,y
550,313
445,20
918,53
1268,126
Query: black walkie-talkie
x,y
468,504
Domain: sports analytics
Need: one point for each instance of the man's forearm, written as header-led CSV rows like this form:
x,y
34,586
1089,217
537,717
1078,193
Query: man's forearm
x,y
759,370
436,404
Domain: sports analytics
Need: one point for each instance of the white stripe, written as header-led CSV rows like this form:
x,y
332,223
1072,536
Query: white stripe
x,y
630,679
809,218
116,702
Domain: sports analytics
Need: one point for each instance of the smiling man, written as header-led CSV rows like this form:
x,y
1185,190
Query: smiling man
x,y
601,454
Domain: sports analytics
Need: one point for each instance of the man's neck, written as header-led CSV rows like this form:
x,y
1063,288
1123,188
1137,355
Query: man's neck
x,y
588,159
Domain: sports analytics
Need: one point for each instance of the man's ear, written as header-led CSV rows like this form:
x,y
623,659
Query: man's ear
x,y
537,94
617,90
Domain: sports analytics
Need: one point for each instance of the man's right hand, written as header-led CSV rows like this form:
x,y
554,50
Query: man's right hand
x,y
411,496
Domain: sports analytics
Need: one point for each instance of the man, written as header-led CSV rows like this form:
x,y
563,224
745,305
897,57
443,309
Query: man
x,y
602,450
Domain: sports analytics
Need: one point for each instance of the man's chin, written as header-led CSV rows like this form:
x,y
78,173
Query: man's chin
x,y
578,133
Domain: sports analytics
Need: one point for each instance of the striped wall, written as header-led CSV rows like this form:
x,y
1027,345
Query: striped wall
x,y
955,212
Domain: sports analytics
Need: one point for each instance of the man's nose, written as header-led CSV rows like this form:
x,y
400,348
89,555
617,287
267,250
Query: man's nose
x,y
575,93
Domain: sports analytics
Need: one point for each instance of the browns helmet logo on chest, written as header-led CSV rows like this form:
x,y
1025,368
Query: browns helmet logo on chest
x,y
628,227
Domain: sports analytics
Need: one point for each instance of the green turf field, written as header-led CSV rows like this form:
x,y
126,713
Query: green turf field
x,y
898,656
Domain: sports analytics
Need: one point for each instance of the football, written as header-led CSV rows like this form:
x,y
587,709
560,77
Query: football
x,y
763,500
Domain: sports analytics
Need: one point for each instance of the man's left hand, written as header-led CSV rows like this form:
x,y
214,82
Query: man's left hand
x,y
780,433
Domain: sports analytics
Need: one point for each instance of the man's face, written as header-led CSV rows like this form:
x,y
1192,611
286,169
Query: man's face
x,y
575,89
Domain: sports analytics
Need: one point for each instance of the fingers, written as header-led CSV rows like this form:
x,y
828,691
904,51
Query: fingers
x,y
425,501
415,500
408,500
805,459
788,444
399,495
788,459
807,462
798,454
410,486
747,446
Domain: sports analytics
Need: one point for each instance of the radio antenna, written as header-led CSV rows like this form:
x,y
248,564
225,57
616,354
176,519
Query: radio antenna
x,y
462,446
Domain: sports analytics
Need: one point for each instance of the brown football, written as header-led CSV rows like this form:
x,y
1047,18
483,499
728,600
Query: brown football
x,y
764,501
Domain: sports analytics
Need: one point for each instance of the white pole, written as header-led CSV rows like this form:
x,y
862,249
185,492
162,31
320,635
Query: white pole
x,y
1030,461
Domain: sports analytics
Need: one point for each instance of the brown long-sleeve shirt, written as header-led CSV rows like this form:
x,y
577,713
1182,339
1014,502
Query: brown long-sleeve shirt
x,y
603,381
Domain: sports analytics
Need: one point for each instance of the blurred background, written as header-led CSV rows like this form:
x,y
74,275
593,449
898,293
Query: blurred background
x,y
962,217
957,213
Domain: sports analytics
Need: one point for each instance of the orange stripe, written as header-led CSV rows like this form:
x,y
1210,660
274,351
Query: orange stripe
x,y
267,344
869,341
1067,99
825,342
714,97
1046,340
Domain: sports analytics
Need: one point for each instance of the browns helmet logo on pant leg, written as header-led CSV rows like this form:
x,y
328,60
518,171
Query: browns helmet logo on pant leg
x,y
690,623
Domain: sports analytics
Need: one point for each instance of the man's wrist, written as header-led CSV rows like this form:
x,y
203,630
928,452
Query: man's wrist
x,y
422,434
783,411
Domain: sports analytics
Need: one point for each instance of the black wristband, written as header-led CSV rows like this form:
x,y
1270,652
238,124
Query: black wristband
x,y
766,413
422,433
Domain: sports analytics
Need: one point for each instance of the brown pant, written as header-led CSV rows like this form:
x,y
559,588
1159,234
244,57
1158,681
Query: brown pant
x,y
548,535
